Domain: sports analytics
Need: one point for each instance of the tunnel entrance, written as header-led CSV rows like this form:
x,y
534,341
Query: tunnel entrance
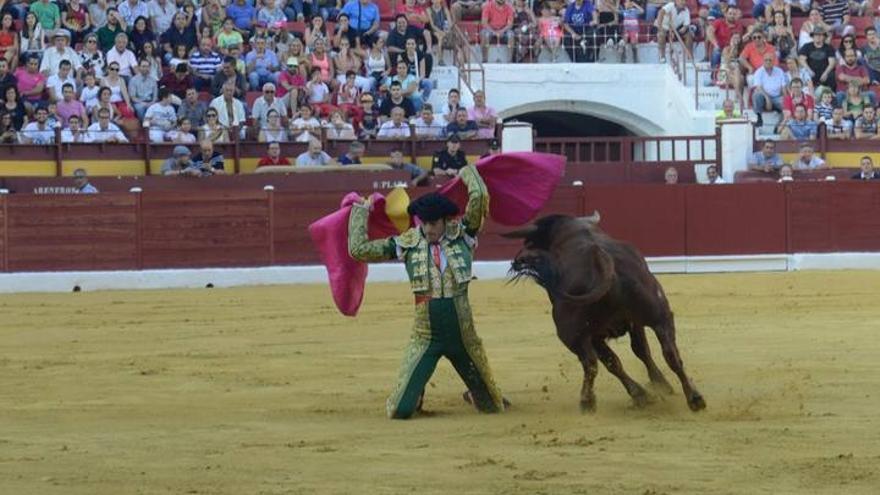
x,y
558,124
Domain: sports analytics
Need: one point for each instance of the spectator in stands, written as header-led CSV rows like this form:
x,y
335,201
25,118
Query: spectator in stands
x,y
418,175
273,157
838,127
819,58
579,24
230,110
271,14
354,155
364,19
806,159
866,172
262,65
466,8
674,16
14,105
161,15
38,132
291,83
781,36
419,65
130,10
8,132
89,93
181,33
348,65
348,97
396,40
208,160
75,132
826,105
180,163
766,160
835,13
796,96
81,182
448,112
48,13
160,117
416,17
799,127
484,115
314,157
866,125
183,133
337,128
7,80
306,127
119,96
212,129
396,127
713,177
104,103
871,53
31,37
55,83
144,90
369,127
192,108
226,74
70,106
104,131
768,83
463,127
670,176
142,35
855,102
496,24
266,102
720,31
179,82
439,23
450,160
91,58
395,99
786,173
752,56
242,13
122,56
426,126
107,33
850,71
205,63
317,93
409,86
59,51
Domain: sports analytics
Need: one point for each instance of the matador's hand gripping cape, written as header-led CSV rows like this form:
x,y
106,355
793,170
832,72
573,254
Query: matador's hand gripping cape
x,y
519,185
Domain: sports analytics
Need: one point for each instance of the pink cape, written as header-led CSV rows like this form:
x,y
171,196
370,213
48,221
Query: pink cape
x,y
519,185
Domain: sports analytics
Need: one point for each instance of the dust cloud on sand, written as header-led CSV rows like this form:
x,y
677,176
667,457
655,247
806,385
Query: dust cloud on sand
x,y
270,391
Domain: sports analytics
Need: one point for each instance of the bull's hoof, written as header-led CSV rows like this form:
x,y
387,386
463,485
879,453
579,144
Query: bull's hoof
x,y
588,405
696,402
642,399
662,386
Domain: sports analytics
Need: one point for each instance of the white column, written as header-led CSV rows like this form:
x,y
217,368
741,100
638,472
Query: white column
x,y
736,146
517,136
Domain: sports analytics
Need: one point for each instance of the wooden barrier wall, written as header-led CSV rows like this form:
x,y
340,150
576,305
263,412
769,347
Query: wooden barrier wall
x,y
235,228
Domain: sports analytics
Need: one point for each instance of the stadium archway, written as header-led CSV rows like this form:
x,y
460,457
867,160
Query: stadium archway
x,y
569,118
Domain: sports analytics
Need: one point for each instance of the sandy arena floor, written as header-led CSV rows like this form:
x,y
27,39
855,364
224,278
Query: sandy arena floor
x,y
269,391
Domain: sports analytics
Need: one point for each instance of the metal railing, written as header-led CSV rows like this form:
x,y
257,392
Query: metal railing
x,y
464,60
683,63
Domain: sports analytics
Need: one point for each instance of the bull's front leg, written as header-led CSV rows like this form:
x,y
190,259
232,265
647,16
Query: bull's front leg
x,y
571,331
589,361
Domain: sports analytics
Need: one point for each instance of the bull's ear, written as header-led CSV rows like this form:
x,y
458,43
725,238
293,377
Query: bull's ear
x,y
521,233
590,220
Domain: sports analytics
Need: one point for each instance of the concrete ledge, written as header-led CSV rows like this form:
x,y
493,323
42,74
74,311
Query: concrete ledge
x,y
394,272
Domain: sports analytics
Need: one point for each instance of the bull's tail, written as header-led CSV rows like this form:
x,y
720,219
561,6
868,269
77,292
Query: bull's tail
x,y
604,278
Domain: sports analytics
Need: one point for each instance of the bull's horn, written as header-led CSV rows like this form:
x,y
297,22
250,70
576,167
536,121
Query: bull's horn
x,y
591,220
521,233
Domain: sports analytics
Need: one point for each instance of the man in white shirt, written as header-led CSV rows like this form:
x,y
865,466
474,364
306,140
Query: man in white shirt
x,y
314,157
55,83
104,131
75,132
38,132
162,14
396,128
769,82
674,16
61,50
132,9
160,117
230,111
266,102
122,56
427,126
712,175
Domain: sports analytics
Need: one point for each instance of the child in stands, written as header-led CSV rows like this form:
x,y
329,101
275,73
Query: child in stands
x,y
550,26
631,13
825,107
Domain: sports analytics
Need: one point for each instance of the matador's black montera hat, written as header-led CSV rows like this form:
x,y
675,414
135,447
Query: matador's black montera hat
x,y
432,207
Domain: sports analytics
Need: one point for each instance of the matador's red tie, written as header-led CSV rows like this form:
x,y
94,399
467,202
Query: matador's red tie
x,y
435,251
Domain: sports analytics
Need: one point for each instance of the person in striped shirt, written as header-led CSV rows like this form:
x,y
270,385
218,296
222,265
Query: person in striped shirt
x,y
204,63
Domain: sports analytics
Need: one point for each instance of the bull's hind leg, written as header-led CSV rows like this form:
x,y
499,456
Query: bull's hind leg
x,y
666,335
639,344
587,355
612,363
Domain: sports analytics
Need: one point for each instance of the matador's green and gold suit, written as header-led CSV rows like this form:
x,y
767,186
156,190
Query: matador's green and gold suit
x,y
444,324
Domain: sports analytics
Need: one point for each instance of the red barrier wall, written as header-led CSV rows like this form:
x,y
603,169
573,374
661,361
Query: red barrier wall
x,y
169,229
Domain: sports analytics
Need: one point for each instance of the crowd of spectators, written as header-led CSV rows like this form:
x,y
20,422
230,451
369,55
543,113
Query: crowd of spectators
x,y
189,71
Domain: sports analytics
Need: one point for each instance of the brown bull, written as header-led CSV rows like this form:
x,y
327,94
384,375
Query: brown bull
x,y
601,288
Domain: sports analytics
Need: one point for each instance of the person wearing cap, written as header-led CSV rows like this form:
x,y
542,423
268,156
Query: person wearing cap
x,y
437,254
180,163
291,82
450,160
60,50
819,59
353,155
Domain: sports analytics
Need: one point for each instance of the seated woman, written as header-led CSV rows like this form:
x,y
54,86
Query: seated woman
x,y
212,130
273,131
338,129
182,134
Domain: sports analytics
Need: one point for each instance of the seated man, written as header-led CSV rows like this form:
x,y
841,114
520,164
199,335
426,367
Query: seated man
x,y
180,163
81,181
450,160
866,125
712,175
104,131
273,156
806,160
838,127
418,175
75,132
496,24
767,160
462,127
795,96
728,111
674,16
210,162
852,72
799,127
314,157
396,128
160,117
427,126
39,131
670,176
867,171
354,154
395,98
768,83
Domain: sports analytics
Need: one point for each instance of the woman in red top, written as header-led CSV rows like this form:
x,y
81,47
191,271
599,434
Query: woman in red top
x,y
76,20
8,41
